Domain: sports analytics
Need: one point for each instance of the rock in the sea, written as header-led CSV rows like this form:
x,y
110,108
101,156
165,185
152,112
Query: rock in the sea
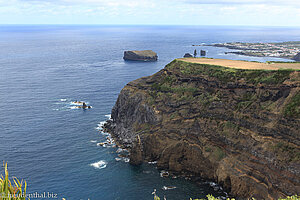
x,y
297,57
203,53
188,55
146,55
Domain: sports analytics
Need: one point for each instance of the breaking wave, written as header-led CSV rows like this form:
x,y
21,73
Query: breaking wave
x,y
99,165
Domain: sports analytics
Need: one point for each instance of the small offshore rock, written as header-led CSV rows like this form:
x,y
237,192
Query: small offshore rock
x,y
188,55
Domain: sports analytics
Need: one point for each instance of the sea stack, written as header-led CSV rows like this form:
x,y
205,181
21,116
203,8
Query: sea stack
x,y
188,55
146,55
297,57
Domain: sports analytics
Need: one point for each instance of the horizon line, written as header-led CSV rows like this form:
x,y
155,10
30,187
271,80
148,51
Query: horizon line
x,y
82,24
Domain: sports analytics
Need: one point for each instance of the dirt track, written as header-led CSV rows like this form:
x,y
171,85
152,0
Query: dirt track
x,y
243,64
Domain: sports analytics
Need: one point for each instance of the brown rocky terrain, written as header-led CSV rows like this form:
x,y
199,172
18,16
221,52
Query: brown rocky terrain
x,y
238,127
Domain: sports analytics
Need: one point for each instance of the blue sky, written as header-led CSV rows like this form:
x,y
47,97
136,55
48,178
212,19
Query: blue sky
x,y
160,12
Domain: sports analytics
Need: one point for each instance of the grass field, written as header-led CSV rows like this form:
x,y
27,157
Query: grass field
x,y
243,64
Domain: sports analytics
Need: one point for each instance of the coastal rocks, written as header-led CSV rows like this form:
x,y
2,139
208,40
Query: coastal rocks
x,y
237,127
188,55
202,53
146,55
136,155
297,57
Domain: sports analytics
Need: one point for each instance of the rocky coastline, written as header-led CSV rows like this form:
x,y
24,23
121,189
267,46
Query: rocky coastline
x,y
237,127
285,50
244,53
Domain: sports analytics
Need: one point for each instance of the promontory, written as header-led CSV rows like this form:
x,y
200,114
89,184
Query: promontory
x,y
297,57
146,55
235,122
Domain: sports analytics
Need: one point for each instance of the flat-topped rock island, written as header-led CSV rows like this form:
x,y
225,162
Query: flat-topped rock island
x,y
145,55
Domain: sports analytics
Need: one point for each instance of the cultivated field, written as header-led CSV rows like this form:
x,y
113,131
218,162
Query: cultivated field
x,y
243,64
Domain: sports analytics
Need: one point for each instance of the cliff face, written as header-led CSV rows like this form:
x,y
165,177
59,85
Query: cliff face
x,y
238,127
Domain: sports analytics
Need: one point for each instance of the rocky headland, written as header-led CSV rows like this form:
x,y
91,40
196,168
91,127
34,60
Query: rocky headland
x,y
146,55
297,57
239,127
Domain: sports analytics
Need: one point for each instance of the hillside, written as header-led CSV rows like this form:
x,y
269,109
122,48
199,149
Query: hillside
x,y
239,127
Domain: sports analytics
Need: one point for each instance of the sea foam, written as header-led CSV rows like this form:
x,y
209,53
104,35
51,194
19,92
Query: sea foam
x,y
108,116
99,165
74,107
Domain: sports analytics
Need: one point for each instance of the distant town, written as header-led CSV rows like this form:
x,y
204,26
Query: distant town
x,y
289,50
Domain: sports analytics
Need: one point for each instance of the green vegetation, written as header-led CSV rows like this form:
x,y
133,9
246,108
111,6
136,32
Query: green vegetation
x,y
270,62
218,154
180,86
184,89
12,190
243,105
225,74
169,86
229,128
292,109
284,150
174,115
275,77
215,153
208,149
143,127
246,100
163,87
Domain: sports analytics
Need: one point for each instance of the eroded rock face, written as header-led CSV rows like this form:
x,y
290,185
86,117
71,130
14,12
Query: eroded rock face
x,y
238,127
147,55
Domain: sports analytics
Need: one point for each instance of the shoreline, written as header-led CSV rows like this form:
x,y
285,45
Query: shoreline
x,y
260,56
284,50
195,178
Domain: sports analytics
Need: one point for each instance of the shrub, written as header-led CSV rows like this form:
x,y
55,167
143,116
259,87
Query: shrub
x,y
12,190
292,109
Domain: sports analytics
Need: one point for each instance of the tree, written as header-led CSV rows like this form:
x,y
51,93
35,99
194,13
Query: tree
x,y
195,53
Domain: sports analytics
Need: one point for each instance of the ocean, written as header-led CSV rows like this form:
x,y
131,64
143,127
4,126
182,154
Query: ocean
x,y
53,145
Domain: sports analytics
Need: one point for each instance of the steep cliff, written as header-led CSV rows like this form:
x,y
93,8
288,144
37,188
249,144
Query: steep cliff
x,y
239,127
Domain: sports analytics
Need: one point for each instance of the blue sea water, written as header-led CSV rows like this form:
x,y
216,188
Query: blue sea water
x,y
44,68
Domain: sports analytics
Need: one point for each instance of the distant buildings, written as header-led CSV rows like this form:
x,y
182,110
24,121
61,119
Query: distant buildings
x,y
282,50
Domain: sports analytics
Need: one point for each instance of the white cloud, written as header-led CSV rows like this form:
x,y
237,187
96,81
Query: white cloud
x,y
240,2
275,12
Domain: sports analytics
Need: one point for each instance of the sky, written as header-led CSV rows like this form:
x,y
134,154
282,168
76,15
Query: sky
x,y
152,12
